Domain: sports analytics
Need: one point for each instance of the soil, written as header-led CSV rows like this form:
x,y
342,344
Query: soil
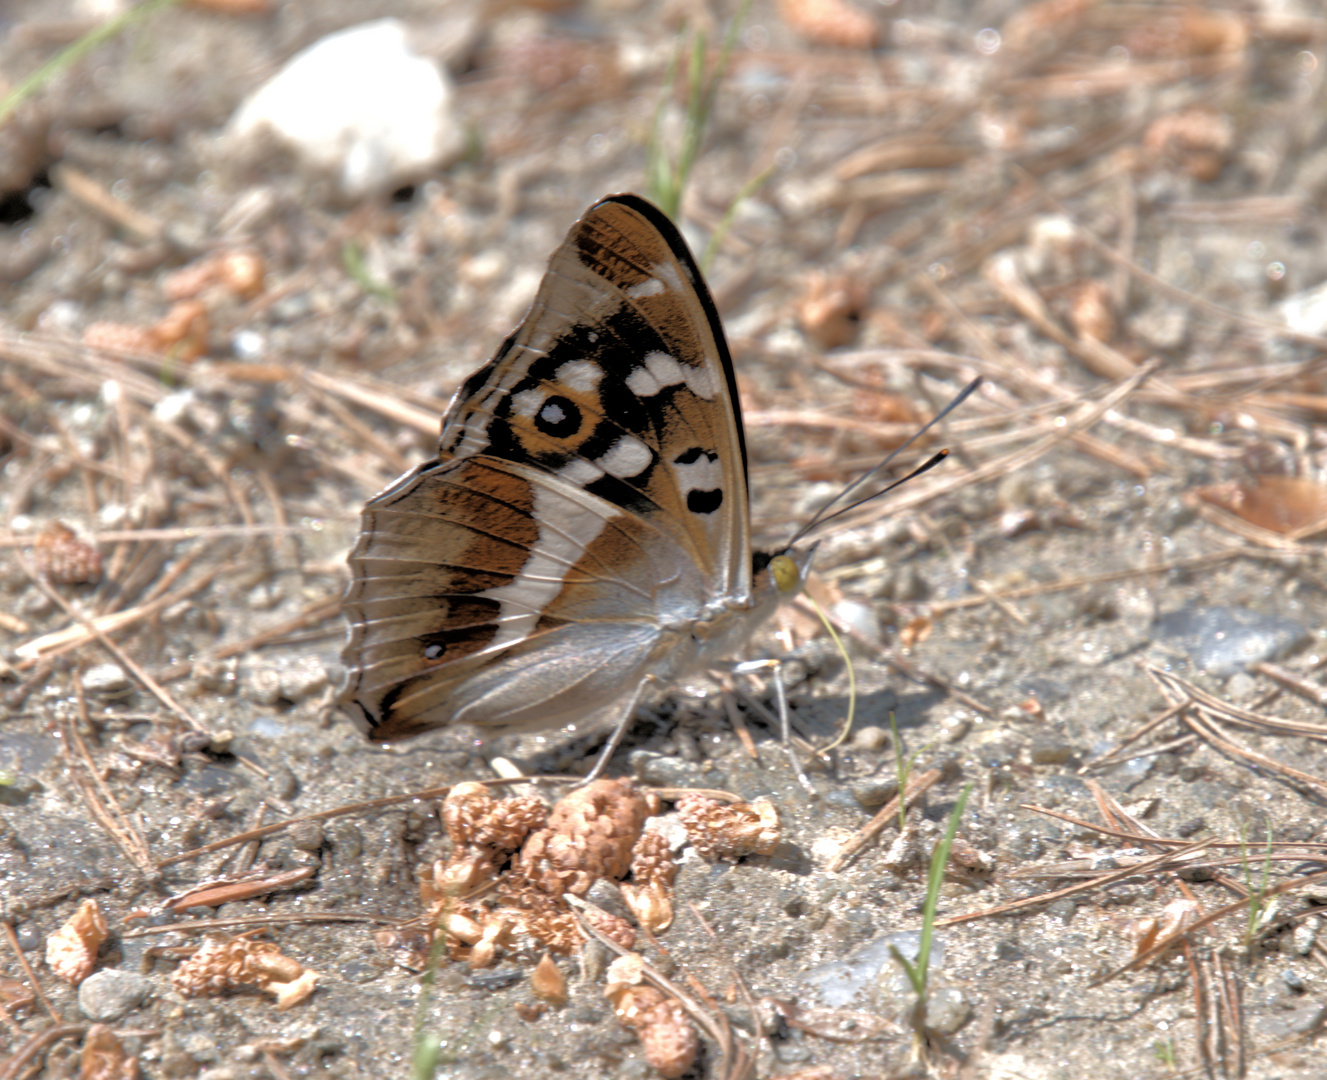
x,y
1111,212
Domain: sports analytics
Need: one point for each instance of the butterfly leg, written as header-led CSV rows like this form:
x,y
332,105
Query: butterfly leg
x,y
620,729
775,669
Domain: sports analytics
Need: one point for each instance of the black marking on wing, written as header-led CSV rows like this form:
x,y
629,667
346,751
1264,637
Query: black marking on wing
x,y
558,417
669,234
704,502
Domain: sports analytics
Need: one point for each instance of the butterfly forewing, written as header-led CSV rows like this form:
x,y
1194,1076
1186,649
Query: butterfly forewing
x,y
619,379
587,501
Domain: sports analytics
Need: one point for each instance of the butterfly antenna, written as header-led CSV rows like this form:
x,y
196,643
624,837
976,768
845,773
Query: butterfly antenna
x,y
823,515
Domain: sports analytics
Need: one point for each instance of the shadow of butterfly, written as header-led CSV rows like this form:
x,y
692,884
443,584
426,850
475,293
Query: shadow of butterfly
x,y
583,533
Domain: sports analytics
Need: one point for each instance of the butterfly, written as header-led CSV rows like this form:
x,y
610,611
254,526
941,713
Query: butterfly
x,y
583,533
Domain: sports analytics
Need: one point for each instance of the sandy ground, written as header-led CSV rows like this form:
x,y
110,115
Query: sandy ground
x,y
1110,211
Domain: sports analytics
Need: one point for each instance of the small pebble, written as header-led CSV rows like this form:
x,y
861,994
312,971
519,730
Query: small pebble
x,y
1241,687
303,679
108,995
953,728
791,1053
106,680
263,687
306,836
1050,752
947,1010
1166,764
907,586
655,770
1062,910
874,791
284,783
870,738
359,971
860,617
608,896
264,596
1162,327
216,676
1305,312
200,1046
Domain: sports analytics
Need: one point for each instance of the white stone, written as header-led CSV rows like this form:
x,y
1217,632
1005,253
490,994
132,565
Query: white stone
x,y
1306,312
106,680
361,104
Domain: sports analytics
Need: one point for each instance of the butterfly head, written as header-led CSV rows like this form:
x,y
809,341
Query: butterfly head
x,y
785,570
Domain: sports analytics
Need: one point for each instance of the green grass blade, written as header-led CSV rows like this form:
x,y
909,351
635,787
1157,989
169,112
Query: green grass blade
x,y
73,53
706,258
936,878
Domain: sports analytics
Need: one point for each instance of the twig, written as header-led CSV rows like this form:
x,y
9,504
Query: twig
x,y
1144,867
22,958
153,687
100,800
322,815
17,1065
884,817
1163,944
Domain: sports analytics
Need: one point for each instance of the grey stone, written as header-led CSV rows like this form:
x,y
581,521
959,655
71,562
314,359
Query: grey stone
x,y
947,1010
1063,910
306,836
200,1046
108,995
1298,1021
1225,640
874,791
1049,751
658,771
303,679
263,687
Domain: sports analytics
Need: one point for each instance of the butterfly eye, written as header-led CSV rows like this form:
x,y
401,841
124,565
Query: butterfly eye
x,y
785,573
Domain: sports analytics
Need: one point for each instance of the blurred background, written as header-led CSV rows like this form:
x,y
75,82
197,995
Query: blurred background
x,y
249,248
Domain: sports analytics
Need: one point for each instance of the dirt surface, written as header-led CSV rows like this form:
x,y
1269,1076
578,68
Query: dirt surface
x,y
1112,212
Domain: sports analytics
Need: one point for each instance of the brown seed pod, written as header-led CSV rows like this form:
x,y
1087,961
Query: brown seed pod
x,y
666,1033
71,951
834,23
1092,312
548,982
590,835
63,558
484,831
729,831
223,963
649,893
1198,140
183,332
103,1057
